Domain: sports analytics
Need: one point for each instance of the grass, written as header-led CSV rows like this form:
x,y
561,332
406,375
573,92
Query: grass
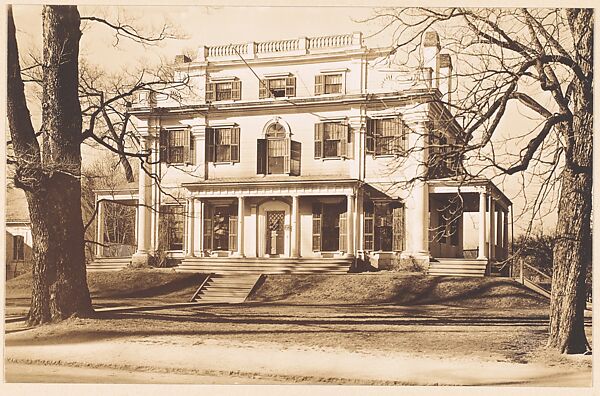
x,y
125,287
397,289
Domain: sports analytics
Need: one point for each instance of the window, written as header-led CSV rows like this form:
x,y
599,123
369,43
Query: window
x,y
176,146
386,136
329,227
332,140
223,144
172,222
18,247
277,88
328,84
444,159
226,90
384,226
220,227
277,153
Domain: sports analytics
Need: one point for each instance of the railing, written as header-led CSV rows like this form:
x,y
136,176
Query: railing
x,y
278,46
227,50
534,279
303,44
341,40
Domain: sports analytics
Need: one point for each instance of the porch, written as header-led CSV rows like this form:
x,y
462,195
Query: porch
x,y
450,200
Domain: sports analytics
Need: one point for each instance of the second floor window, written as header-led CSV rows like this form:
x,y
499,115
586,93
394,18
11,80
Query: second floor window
x,y
277,153
277,88
223,144
386,136
328,84
176,146
332,140
225,90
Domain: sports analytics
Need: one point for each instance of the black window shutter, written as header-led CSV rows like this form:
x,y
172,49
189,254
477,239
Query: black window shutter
x,y
164,146
210,145
295,159
370,144
261,156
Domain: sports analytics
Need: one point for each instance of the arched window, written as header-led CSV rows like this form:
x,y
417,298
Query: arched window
x,y
277,149
277,153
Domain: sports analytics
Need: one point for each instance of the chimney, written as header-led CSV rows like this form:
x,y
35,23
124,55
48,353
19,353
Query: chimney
x,y
431,49
182,59
445,77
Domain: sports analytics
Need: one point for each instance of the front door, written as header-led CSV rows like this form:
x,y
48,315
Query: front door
x,y
275,232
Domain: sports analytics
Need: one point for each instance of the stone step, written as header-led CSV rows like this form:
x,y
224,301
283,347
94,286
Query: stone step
x,y
226,288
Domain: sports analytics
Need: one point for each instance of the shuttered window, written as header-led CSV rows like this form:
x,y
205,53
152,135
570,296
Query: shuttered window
x,y
316,226
223,144
277,87
384,228
328,84
332,140
226,90
176,146
386,136
278,154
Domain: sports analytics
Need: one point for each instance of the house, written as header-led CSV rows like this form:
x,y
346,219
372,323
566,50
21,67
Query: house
x,y
308,152
18,234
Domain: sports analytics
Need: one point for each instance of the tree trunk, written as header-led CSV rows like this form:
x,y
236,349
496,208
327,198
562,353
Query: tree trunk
x,y
573,249
52,182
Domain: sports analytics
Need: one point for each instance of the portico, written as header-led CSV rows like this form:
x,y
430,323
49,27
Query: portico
x,y
271,219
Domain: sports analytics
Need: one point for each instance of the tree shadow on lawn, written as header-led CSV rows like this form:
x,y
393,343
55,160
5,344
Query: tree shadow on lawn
x,y
178,285
465,291
84,335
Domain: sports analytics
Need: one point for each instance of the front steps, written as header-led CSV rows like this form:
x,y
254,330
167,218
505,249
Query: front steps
x,y
108,264
457,267
257,266
230,289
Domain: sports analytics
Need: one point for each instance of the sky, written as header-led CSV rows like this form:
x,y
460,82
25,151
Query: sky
x,y
212,25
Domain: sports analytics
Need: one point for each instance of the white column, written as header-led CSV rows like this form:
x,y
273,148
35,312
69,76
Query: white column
x,y
141,256
200,214
505,234
499,227
350,225
240,230
100,230
482,227
294,227
355,224
492,229
142,205
190,214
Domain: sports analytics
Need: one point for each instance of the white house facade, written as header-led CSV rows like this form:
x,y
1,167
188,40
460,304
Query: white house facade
x,y
310,150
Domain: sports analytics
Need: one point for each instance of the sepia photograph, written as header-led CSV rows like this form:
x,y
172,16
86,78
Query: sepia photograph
x,y
360,197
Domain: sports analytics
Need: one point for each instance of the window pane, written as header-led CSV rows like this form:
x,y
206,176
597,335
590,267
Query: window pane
x,y
223,153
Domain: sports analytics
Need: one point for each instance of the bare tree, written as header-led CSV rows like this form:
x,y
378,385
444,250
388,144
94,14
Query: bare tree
x,y
542,60
73,105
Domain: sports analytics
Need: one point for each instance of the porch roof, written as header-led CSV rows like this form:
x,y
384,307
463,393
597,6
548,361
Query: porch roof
x,y
273,185
465,186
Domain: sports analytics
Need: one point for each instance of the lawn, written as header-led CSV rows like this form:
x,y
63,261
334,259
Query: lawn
x,y
385,314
